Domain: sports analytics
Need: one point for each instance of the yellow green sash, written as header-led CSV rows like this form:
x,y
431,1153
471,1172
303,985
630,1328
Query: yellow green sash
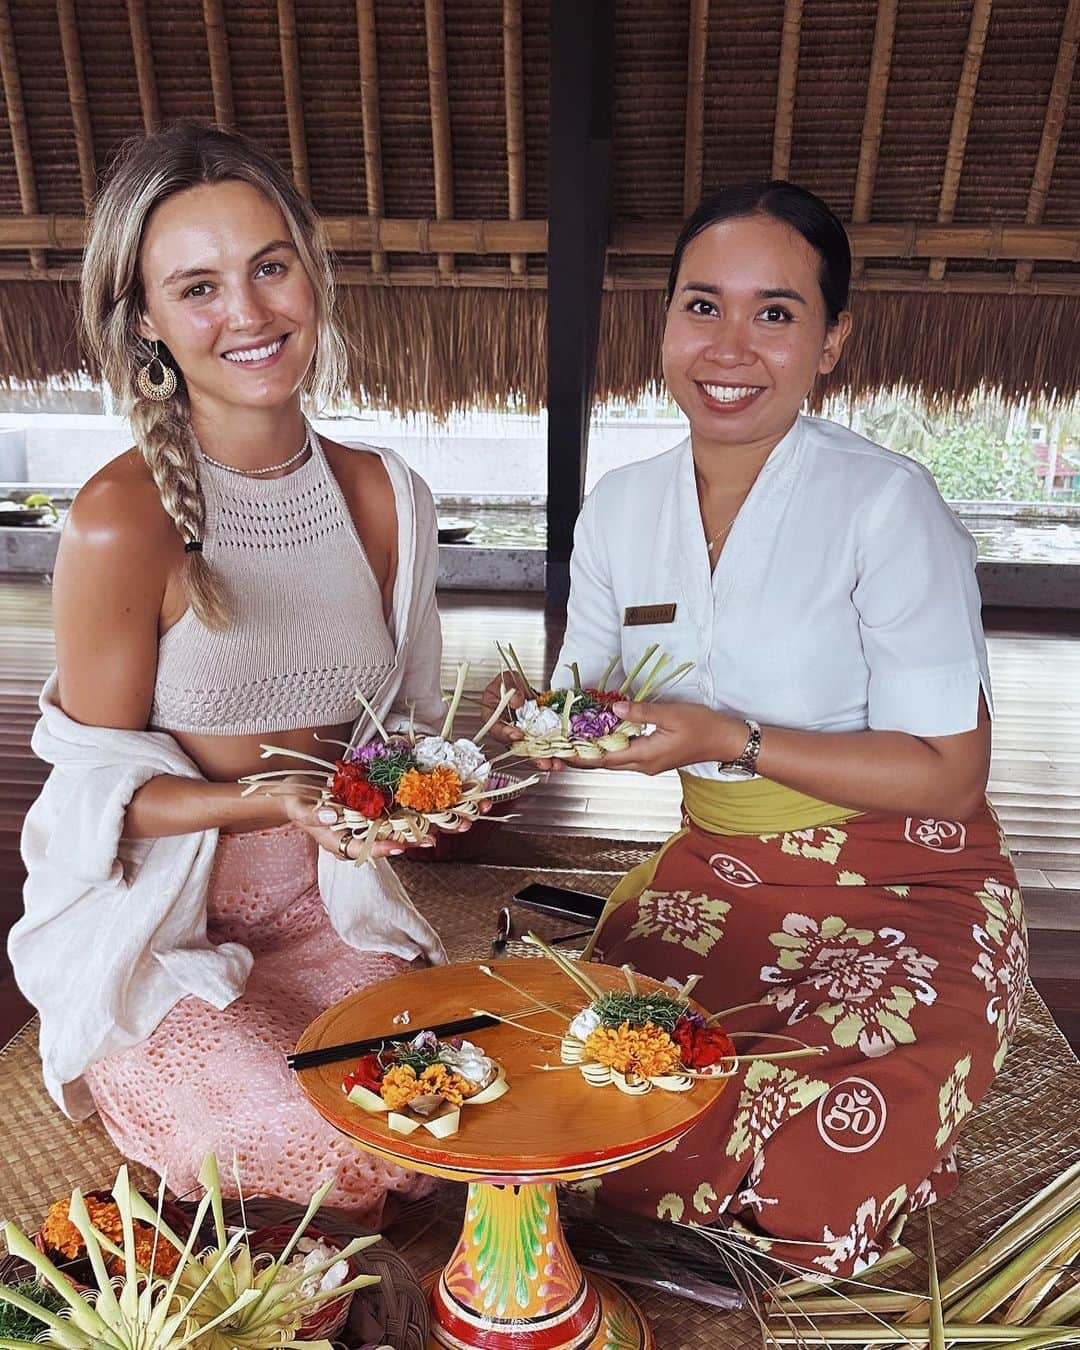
x,y
755,806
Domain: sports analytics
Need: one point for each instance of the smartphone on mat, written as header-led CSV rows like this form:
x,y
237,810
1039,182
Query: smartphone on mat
x,y
563,903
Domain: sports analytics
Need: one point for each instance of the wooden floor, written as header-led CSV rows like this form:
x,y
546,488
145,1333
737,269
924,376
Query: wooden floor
x,y
1034,782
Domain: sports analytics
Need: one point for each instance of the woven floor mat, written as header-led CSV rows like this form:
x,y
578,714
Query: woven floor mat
x,y
563,852
463,900
1018,1139
43,1155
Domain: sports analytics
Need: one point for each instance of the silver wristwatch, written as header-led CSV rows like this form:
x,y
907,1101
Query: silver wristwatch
x,y
747,761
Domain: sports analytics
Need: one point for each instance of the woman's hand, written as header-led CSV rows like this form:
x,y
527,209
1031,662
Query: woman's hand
x,y
318,821
503,732
686,733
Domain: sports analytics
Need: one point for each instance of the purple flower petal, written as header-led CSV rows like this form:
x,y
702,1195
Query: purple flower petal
x,y
364,754
590,725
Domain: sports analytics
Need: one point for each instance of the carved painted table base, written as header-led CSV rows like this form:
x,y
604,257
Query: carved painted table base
x,y
512,1282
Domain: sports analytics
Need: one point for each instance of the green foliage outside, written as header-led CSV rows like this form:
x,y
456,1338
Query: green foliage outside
x,y
980,454
972,464
972,457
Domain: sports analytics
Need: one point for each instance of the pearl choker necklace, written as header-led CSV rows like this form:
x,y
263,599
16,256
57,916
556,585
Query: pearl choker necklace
x,y
257,473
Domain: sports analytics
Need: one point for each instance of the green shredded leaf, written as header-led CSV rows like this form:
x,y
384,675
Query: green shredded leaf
x,y
413,1058
18,1324
663,1010
387,771
582,702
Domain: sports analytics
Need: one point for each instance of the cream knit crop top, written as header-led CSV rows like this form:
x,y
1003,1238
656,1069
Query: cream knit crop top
x,y
307,627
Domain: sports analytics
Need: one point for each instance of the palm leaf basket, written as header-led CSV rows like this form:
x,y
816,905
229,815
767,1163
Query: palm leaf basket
x,y
399,822
561,740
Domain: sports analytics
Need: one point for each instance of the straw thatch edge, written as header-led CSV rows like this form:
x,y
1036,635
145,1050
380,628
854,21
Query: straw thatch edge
x,y
38,340
439,350
949,348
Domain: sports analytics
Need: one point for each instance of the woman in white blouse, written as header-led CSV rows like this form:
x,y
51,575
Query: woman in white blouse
x,y
839,870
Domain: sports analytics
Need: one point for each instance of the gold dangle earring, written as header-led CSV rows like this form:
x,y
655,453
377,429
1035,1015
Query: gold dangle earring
x,y
156,381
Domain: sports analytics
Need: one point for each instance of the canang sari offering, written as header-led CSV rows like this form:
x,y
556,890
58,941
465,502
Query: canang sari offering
x,y
402,787
578,722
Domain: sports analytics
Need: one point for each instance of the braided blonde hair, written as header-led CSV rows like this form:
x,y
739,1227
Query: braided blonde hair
x,y
148,171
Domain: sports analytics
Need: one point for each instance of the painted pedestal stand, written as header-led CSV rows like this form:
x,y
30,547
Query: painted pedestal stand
x,y
512,1282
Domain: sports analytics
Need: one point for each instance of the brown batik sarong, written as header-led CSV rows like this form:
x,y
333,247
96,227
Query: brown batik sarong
x,y
899,946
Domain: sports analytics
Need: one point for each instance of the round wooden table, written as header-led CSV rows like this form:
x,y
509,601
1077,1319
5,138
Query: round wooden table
x,y
512,1282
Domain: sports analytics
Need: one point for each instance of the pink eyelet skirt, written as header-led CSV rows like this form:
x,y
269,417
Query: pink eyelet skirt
x,y
208,1080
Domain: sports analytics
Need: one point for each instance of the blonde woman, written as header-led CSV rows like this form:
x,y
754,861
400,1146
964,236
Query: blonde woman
x,y
231,580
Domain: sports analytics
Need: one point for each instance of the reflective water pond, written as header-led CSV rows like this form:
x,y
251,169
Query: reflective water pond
x,y
1049,541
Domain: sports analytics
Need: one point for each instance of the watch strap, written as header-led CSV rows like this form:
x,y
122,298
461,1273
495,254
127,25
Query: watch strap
x,y
747,761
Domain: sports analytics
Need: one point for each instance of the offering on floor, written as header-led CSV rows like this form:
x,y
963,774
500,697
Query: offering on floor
x,y
133,1270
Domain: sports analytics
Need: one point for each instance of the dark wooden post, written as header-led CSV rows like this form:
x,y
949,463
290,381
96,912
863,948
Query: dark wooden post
x,y
582,40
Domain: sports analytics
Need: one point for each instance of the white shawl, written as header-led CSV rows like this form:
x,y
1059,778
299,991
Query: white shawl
x,y
113,933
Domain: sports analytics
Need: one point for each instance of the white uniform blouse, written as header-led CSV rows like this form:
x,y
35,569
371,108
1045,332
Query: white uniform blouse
x,y
844,599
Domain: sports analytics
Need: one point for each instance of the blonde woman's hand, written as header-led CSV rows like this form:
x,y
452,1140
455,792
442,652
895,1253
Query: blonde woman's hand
x,y
319,822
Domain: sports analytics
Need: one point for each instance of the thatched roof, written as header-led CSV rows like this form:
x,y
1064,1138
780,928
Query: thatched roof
x,y
946,131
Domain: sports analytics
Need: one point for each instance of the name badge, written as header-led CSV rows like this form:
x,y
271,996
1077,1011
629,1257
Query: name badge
x,y
636,615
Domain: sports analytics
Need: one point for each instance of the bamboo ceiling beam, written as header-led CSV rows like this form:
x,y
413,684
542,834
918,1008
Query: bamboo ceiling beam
x,y
881,239
654,279
892,279
144,65
514,83
17,125
294,99
1056,107
968,283
695,103
80,108
438,94
637,279
874,116
347,234
877,90
217,47
785,88
961,120
359,234
369,107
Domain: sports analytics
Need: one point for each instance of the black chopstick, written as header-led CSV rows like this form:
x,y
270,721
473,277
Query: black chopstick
x,y
329,1054
570,937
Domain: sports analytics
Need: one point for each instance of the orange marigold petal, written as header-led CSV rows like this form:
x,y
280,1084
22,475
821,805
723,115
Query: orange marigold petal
x,y
399,1086
437,790
647,1050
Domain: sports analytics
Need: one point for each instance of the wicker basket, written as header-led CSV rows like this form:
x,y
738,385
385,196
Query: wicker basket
x,y
393,1312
